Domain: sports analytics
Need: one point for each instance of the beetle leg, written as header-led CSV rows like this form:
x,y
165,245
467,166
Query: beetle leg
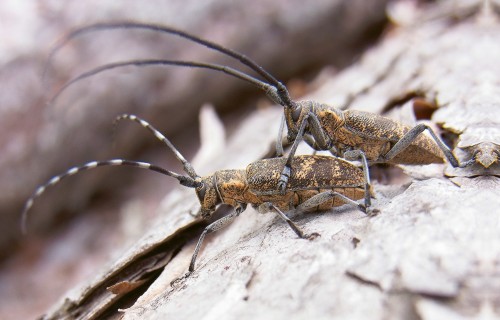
x,y
321,141
279,140
360,155
285,174
309,139
316,130
411,135
322,197
215,226
292,225
334,151
195,215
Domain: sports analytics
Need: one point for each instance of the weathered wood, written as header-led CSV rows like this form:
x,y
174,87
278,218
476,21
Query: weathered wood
x,y
431,253
39,141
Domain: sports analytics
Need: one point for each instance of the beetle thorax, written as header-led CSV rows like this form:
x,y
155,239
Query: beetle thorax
x,y
232,187
330,118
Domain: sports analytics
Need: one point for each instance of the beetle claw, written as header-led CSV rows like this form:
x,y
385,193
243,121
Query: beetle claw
x,y
312,236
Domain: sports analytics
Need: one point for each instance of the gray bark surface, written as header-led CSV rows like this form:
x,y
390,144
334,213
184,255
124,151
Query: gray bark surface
x,y
38,141
432,251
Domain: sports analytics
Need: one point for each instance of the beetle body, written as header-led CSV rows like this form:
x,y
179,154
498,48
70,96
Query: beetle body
x,y
256,184
372,134
317,183
375,135
355,135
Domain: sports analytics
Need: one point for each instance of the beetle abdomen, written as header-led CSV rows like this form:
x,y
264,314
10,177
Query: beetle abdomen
x,y
375,128
308,172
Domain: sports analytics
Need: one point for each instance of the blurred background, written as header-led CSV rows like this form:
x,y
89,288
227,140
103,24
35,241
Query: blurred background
x,y
76,226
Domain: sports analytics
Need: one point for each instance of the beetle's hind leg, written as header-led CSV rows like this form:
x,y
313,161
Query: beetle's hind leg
x,y
411,135
323,197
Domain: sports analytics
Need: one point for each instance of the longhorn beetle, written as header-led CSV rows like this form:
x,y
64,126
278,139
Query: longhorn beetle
x,y
318,183
351,134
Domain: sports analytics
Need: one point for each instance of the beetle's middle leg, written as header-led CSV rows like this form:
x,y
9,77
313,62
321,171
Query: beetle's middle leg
x,y
300,233
411,135
360,155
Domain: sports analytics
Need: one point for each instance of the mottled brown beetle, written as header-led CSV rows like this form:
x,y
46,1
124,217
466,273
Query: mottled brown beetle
x,y
318,183
350,134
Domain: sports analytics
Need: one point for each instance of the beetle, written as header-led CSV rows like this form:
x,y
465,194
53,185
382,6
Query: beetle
x,y
318,183
351,134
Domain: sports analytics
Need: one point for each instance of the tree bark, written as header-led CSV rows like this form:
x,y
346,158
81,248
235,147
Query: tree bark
x,y
38,141
433,250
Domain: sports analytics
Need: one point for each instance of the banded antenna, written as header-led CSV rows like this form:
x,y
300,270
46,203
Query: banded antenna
x,y
191,181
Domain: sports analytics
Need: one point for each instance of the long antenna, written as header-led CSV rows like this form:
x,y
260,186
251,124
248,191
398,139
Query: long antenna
x,y
187,166
281,88
270,90
184,180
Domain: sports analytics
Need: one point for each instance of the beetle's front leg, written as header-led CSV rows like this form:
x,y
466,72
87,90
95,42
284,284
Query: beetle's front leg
x,y
215,226
320,138
279,140
287,170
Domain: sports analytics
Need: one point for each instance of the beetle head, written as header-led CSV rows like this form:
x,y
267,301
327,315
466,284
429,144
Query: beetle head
x,y
294,115
208,197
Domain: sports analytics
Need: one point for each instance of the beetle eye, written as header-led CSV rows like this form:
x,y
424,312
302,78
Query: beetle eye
x,y
200,192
